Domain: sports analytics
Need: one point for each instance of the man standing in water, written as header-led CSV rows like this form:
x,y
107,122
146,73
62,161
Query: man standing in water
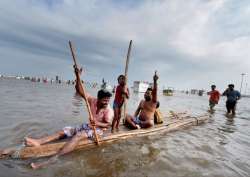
x,y
232,97
214,97
102,115
144,114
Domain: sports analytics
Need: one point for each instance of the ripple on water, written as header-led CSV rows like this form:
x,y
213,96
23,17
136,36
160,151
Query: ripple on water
x,y
217,148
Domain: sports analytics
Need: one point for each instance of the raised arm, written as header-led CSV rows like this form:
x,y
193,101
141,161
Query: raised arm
x,y
79,85
154,92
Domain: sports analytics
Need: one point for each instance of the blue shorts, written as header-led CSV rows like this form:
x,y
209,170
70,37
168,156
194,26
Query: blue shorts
x,y
136,120
116,105
84,128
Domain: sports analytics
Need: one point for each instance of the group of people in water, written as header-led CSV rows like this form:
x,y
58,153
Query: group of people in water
x,y
232,97
102,115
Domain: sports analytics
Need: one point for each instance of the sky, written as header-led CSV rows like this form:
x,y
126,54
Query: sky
x,y
191,45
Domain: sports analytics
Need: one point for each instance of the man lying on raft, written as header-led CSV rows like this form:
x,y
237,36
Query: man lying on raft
x,y
102,114
144,114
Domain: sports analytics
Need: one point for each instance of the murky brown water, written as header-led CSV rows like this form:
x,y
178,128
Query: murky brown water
x,y
220,147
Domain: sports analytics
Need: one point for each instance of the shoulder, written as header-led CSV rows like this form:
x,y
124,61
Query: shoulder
x,y
109,113
141,103
92,100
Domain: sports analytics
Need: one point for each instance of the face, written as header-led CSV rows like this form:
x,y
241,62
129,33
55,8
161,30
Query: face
x,y
212,87
121,80
103,103
231,87
148,95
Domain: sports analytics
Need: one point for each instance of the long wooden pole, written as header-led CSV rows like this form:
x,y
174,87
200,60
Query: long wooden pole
x,y
126,78
84,94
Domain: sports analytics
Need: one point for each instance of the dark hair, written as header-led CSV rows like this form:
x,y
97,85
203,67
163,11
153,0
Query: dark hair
x,y
149,89
231,85
103,93
213,86
157,104
120,77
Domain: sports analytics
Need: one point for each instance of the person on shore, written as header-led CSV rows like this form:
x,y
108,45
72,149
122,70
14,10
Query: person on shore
x,y
232,97
144,114
121,93
102,115
214,97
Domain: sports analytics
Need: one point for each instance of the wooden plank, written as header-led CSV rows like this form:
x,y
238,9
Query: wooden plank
x,y
53,148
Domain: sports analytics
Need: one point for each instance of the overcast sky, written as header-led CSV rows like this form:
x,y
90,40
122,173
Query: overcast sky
x,y
191,45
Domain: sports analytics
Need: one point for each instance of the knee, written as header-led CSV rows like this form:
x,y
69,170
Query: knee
x,y
79,136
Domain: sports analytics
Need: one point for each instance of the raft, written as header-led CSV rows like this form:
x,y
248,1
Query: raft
x,y
173,124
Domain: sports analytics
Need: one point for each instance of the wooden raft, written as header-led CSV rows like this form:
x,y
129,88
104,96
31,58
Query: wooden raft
x,y
52,148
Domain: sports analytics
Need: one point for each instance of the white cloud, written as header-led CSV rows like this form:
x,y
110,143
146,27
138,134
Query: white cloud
x,y
178,39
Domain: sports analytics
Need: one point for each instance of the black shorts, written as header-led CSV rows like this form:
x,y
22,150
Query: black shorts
x,y
230,105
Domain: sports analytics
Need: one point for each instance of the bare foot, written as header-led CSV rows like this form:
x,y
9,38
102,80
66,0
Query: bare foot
x,y
34,166
45,163
138,126
31,142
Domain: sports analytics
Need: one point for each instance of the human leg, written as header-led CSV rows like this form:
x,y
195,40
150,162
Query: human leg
x,y
68,147
43,140
228,107
118,119
130,123
114,122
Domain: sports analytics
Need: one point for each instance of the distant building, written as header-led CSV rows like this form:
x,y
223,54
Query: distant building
x,y
140,86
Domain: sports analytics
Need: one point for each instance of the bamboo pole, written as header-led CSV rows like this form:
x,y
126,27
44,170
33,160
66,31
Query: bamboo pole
x,y
126,78
91,119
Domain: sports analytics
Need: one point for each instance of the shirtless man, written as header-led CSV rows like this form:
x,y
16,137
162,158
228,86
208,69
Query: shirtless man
x,y
144,114
102,114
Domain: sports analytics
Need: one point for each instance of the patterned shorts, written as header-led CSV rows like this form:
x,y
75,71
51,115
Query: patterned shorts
x,y
84,128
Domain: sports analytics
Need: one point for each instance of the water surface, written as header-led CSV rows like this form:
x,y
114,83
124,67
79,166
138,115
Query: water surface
x,y
220,147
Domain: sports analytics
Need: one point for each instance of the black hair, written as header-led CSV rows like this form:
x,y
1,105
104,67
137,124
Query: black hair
x,y
149,89
120,76
103,93
213,86
231,85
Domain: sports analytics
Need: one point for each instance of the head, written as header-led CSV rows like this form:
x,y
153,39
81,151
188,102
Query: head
x,y
231,86
213,87
103,98
148,94
121,80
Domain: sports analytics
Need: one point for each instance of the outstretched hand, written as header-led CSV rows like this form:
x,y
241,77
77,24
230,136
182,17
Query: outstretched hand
x,y
156,77
77,70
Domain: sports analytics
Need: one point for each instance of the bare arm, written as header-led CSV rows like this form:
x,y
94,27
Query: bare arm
x,y
225,92
154,92
102,124
138,110
79,85
126,92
